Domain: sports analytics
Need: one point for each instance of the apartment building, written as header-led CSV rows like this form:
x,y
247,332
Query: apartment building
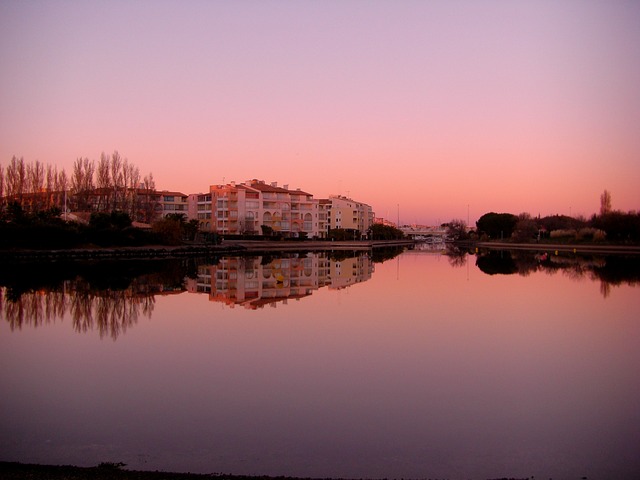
x,y
200,209
348,214
144,205
172,202
244,208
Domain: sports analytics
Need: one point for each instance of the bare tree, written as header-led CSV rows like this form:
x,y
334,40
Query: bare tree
x,y
82,180
15,178
126,180
62,185
605,203
35,184
1,185
89,169
77,178
116,177
50,183
148,203
35,177
103,181
134,180
457,229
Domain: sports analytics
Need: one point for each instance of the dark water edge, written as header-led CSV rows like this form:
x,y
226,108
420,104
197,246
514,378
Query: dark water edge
x,y
25,471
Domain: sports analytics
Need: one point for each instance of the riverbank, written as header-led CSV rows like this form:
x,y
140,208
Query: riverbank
x,y
22,471
560,247
231,247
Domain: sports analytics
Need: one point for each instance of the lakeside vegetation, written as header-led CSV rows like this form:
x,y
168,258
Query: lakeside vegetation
x,y
47,229
607,227
33,197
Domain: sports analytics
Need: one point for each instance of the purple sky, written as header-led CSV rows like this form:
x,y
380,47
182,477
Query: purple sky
x,y
433,106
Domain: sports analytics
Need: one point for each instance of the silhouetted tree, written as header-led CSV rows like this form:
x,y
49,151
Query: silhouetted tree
x,y
619,226
605,203
378,231
457,229
497,225
525,229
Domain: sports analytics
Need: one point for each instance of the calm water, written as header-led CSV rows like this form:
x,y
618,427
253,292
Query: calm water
x,y
420,366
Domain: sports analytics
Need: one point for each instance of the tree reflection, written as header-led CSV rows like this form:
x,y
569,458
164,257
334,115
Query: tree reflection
x,y
456,255
110,312
610,270
105,297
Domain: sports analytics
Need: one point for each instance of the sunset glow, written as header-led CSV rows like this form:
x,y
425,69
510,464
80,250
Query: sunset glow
x,y
427,111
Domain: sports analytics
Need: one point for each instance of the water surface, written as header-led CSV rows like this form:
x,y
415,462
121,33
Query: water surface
x,y
420,366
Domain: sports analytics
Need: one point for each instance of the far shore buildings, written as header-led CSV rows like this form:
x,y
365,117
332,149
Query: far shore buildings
x,y
143,204
255,207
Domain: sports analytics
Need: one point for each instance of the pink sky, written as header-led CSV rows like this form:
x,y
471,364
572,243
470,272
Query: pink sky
x,y
433,106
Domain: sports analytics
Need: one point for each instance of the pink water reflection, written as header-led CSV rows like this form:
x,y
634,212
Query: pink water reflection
x,y
422,371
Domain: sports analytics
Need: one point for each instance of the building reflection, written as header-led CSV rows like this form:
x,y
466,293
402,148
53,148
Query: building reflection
x,y
253,282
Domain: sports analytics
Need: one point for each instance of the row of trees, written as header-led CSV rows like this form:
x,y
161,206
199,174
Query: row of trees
x,y
46,229
608,224
113,182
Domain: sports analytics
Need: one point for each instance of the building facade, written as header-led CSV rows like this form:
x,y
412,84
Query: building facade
x,y
255,207
245,208
348,214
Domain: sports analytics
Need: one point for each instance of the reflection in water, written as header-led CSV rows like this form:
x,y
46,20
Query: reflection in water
x,y
110,297
254,282
610,270
419,371
103,296
110,312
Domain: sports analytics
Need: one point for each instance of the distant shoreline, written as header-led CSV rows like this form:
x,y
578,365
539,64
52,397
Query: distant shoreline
x,y
25,471
560,247
194,250
232,247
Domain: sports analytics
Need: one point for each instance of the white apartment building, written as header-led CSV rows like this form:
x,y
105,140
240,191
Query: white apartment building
x,y
243,208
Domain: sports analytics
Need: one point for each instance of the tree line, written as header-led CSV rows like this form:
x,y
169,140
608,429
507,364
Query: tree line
x,y
113,183
608,225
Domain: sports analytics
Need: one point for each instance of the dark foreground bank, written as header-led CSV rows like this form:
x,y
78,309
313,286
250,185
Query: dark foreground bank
x,y
110,471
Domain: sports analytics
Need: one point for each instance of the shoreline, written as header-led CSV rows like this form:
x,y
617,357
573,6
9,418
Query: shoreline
x,y
109,471
234,247
560,247
193,250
